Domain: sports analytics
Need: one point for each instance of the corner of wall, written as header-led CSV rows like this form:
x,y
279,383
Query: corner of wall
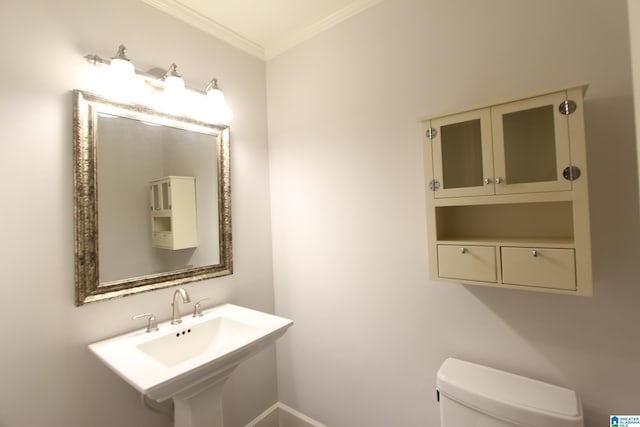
x,y
281,415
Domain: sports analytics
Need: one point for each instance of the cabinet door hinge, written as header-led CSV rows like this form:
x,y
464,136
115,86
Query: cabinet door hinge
x,y
432,133
567,107
434,184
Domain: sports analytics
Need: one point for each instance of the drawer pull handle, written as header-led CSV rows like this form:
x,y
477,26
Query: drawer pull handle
x,y
535,253
463,250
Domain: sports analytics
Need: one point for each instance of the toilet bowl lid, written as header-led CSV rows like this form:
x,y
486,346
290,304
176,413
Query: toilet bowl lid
x,y
509,396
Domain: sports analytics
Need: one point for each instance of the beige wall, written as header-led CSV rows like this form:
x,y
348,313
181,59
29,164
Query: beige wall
x,y
634,32
48,377
347,203
349,218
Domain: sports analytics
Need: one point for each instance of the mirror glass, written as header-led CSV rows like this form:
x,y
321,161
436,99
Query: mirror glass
x,y
152,199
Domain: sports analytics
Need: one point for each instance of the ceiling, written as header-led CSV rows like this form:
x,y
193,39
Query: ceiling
x,y
263,28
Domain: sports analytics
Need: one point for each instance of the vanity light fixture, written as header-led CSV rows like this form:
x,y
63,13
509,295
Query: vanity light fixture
x,y
213,90
215,96
122,72
120,66
173,81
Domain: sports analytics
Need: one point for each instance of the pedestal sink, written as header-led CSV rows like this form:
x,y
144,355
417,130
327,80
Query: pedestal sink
x,y
190,362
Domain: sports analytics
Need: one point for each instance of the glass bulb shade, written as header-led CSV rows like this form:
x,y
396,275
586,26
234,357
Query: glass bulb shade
x,y
173,96
122,83
122,71
216,96
218,105
173,84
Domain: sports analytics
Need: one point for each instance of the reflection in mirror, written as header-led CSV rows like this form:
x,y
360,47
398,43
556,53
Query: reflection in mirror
x,y
152,199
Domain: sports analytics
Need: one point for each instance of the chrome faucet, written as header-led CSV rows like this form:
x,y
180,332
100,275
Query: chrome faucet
x,y
175,316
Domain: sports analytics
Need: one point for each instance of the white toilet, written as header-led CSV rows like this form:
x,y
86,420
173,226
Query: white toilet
x,y
472,395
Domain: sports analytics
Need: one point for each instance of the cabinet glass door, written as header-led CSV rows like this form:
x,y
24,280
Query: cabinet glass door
x,y
531,142
166,196
462,158
155,197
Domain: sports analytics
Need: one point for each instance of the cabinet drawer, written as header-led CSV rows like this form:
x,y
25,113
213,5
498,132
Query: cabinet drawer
x,y
467,262
162,239
541,267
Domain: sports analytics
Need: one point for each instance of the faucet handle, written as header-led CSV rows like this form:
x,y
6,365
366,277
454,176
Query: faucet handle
x,y
197,308
152,326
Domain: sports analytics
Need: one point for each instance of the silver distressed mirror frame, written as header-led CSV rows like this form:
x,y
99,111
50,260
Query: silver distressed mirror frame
x,y
85,180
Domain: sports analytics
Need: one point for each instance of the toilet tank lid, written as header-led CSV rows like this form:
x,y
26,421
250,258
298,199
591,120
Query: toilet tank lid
x,y
509,396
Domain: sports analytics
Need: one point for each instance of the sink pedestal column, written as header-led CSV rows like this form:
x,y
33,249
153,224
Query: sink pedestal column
x,y
201,404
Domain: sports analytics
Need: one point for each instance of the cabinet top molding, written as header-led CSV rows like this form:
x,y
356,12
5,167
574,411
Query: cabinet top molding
x,y
582,85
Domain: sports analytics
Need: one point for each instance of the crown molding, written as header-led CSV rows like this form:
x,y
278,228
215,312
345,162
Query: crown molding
x,y
191,17
272,49
276,48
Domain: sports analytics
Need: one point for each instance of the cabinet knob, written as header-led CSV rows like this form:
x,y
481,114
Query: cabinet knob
x,y
487,181
535,253
463,250
498,180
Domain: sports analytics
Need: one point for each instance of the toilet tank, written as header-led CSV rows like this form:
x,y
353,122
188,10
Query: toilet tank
x,y
475,395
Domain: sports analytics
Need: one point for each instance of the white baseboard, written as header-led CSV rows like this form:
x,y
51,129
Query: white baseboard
x,y
281,415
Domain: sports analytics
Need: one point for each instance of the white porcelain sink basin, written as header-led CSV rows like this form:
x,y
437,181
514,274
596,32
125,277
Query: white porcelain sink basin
x,y
194,341
179,361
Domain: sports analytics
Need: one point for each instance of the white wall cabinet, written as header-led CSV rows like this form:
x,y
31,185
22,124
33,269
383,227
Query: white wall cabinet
x,y
173,213
507,194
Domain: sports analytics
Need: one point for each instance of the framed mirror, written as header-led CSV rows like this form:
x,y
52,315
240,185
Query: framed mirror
x,y
152,199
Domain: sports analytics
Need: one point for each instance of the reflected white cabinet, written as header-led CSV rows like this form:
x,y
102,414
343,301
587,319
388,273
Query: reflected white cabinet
x,y
507,199
173,212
